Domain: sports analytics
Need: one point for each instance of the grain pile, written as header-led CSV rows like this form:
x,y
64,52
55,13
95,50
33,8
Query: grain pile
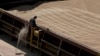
x,y
75,22
28,11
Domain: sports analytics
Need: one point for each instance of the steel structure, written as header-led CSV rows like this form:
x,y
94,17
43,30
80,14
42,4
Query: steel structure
x,y
43,39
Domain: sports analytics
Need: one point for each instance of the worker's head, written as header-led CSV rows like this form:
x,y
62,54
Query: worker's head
x,y
35,17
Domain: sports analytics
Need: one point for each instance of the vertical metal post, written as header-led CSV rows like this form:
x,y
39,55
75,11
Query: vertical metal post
x,y
32,32
42,38
38,39
59,47
0,15
79,52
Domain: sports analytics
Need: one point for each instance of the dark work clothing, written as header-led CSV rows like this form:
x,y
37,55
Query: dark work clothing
x,y
33,23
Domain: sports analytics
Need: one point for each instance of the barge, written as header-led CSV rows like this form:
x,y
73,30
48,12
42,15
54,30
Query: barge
x,y
60,31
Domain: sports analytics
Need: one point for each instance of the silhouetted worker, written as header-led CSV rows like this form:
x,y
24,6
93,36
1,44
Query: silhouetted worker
x,y
33,22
